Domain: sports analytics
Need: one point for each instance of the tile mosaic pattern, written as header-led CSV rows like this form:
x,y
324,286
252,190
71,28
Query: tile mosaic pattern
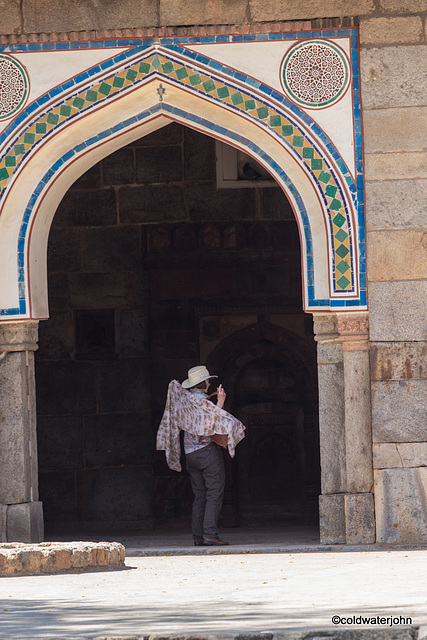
x,y
244,101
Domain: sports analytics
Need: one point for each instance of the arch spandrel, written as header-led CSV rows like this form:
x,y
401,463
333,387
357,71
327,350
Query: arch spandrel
x,y
50,149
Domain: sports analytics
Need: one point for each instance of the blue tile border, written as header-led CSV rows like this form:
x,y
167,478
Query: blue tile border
x,y
176,45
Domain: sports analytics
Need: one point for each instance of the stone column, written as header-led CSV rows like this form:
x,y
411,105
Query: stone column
x,y
21,512
346,504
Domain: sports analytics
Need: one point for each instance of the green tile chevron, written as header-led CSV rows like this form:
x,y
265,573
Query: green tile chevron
x,y
217,89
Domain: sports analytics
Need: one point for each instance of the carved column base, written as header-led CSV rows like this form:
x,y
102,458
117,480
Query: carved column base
x,y
347,518
21,522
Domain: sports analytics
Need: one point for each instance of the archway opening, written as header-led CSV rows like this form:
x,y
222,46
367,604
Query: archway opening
x,y
154,266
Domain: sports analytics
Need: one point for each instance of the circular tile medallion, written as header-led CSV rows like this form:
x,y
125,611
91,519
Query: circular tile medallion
x,y
13,86
315,73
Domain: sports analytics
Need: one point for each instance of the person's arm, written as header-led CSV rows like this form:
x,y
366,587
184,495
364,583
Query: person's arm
x,y
221,395
219,438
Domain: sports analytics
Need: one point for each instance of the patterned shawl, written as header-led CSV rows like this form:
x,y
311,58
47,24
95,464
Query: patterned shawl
x,y
184,411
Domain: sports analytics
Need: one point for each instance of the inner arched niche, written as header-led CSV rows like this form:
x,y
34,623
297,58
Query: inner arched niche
x,y
150,266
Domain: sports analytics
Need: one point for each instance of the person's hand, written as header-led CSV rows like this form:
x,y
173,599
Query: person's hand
x,y
221,395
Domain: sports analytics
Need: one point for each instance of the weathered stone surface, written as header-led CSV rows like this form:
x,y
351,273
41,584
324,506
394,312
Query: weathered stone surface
x,y
79,15
262,10
159,164
10,16
332,519
77,378
358,437
396,129
206,202
151,203
391,30
64,250
398,361
409,6
331,427
119,167
393,76
399,412
177,12
57,336
15,471
60,442
132,332
112,248
123,386
52,557
18,336
117,440
87,208
400,505
397,255
58,492
396,204
399,454
116,497
199,156
24,522
398,311
98,290
396,166
360,518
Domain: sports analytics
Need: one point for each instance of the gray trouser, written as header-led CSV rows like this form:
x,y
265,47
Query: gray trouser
x,y
207,475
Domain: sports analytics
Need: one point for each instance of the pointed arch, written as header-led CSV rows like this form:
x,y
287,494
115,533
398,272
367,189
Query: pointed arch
x,y
56,139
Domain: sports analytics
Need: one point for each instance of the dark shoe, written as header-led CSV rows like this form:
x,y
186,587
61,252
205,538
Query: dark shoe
x,y
198,543
210,542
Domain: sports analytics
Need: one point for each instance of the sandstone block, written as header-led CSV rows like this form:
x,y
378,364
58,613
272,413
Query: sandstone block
x,y
360,518
263,10
10,16
98,290
396,129
398,311
391,30
332,519
396,166
111,249
400,505
397,255
398,361
399,411
177,12
396,204
151,203
400,454
15,472
25,522
331,425
407,6
54,557
393,76
78,15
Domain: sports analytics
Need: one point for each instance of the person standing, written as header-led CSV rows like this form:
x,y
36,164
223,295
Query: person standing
x,y
207,430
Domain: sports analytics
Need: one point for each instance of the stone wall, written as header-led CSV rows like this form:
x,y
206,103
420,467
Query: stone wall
x,y
393,56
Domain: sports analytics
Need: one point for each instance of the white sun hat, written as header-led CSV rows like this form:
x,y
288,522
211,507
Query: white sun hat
x,y
196,375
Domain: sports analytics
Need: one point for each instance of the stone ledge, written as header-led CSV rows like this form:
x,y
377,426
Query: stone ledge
x,y
54,557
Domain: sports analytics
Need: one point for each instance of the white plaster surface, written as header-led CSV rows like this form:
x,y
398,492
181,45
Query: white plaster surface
x,y
47,69
262,60
218,594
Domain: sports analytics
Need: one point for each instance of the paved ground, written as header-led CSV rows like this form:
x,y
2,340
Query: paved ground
x,y
199,592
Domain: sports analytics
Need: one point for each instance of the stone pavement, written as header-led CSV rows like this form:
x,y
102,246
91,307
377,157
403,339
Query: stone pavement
x,y
223,592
